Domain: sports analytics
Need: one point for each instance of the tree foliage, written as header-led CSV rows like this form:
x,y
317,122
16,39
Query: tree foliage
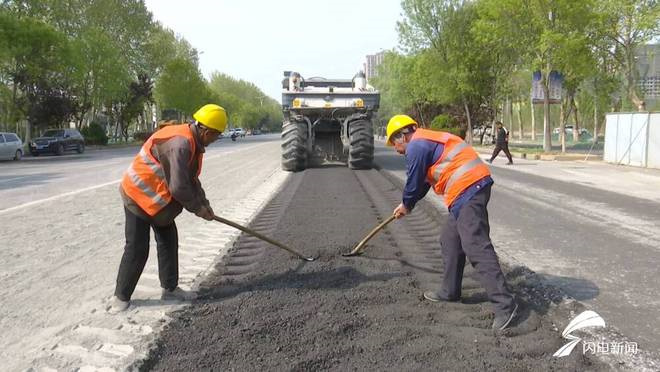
x,y
248,106
107,61
469,59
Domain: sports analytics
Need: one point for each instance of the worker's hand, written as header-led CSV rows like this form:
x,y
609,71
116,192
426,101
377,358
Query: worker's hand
x,y
400,211
206,213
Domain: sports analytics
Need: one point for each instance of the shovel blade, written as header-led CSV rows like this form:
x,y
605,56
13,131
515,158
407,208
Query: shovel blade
x,y
352,254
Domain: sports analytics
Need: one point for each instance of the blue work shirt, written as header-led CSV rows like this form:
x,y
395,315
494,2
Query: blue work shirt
x,y
421,154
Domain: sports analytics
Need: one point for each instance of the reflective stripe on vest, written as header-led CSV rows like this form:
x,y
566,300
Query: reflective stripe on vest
x,y
445,162
156,168
130,172
144,181
461,171
458,167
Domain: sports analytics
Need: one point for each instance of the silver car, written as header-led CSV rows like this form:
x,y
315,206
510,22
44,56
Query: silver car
x,y
11,147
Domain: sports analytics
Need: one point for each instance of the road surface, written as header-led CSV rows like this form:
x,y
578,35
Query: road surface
x,y
600,247
589,229
62,233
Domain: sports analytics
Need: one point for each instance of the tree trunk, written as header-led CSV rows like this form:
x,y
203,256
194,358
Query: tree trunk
x,y
631,78
509,109
13,115
531,105
562,128
576,126
116,136
468,134
502,112
595,139
493,127
421,116
547,131
520,123
28,131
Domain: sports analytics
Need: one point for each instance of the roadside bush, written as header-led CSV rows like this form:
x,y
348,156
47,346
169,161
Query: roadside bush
x,y
94,134
446,123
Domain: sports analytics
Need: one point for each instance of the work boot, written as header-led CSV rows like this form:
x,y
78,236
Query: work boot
x,y
490,161
502,321
117,305
436,297
178,294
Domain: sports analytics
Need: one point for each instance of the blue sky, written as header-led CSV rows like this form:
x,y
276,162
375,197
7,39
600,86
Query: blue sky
x,y
257,40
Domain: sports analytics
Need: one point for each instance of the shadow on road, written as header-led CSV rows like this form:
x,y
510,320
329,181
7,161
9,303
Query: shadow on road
x,y
340,278
579,289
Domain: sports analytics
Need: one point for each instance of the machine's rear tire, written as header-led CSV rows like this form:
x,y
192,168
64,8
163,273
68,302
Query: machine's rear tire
x,y
294,146
361,150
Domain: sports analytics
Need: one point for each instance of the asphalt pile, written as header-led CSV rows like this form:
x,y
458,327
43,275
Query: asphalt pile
x,y
265,310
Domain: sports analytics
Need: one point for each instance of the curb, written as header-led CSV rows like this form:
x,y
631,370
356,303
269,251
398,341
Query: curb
x,y
545,157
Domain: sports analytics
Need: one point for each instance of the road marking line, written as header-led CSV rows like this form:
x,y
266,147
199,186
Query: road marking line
x,y
121,351
34,202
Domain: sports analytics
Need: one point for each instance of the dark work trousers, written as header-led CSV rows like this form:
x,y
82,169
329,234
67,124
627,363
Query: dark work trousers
x,y
502,147
136,252
470,236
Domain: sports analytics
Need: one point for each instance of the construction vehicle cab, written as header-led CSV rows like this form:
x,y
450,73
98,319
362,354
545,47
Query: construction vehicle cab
x,y
327,120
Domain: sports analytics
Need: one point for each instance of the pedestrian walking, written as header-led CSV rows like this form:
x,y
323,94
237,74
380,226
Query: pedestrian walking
x,y
451,167
501,143
159,183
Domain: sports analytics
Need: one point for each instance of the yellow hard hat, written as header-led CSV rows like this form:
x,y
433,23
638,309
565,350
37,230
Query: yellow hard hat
x,y
396,123
212,116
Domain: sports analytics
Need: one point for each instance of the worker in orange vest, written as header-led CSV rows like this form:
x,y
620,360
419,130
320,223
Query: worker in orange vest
x,y
444,162
162,180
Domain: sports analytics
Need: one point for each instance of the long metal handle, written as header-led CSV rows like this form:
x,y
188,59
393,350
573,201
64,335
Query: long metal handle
x,y
264,238
358,248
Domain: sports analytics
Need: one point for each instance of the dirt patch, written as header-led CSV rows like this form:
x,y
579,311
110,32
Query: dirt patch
x,y
264,310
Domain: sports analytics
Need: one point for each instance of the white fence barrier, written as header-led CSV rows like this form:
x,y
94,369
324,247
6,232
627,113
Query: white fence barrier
x,y
633,139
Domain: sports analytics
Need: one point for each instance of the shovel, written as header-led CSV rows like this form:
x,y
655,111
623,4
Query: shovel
x,y
266,239
359,249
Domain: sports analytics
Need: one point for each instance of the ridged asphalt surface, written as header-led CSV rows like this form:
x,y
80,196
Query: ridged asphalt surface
x,y
265,310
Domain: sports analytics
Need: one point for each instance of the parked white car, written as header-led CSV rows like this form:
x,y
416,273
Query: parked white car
x,y
239,132
568,129
11,146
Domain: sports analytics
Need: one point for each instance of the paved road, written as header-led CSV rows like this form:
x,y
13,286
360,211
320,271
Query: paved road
x,y
36,178
61,238
600,247
62,226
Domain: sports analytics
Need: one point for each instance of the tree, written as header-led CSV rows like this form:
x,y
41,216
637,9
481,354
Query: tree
x,y
35,55
629,24
442,31
247,105
181,87
546,33
131,106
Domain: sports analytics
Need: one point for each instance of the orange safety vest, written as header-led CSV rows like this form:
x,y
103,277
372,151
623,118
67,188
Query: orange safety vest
x,y
144,180
458,167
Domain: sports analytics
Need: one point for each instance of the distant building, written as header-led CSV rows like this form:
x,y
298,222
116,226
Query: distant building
x,y
648,66
373,61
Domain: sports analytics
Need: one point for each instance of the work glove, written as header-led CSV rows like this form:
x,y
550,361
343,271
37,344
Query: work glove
x,y
206,213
